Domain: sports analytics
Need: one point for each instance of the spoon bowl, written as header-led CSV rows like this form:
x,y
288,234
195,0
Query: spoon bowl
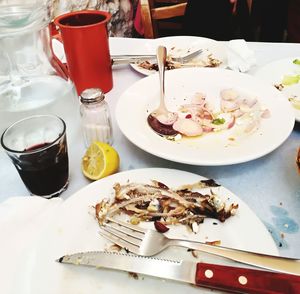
x,y
161,119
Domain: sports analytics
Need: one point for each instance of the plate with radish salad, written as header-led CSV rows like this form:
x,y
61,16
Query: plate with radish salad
x,y
219,117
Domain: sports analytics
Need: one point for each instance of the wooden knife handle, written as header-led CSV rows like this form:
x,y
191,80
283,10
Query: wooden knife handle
x,y
243,280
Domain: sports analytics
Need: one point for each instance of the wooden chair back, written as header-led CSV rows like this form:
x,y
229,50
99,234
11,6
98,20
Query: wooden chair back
x,y
154,11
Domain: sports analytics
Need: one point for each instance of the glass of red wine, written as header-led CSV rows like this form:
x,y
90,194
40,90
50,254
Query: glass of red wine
x,y
37,145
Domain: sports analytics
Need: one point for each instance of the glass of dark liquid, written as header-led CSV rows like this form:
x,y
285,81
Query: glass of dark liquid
x,y
37,145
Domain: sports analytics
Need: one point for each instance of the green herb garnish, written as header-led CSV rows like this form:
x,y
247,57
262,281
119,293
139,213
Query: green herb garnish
x,y
218,121
296,61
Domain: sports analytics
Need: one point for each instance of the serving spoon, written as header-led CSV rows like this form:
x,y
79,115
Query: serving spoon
x,y
161,119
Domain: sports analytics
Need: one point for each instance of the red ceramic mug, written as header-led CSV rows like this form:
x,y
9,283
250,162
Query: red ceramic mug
x,y
85,38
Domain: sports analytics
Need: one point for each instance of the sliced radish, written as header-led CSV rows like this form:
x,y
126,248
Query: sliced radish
x,y
228,106
229,94
209,107
206,115
191,107
187,127
251,102
238,113
231,123
199,98
207,129
251,126
247,105
266,113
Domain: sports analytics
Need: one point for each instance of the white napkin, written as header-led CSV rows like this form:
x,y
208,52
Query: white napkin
x,y
22,219
240,57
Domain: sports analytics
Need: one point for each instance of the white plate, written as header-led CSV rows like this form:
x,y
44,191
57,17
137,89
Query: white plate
x,y
214,148
76,230
179,46
274,72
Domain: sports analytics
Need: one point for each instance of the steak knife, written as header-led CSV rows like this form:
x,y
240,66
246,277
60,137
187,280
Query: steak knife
x,y
226,278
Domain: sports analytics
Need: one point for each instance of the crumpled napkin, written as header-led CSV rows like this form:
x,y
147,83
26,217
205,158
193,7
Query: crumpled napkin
x,y
22,219
240,57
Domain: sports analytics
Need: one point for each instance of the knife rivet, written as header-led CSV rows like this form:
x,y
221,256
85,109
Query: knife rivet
x,y
243,280
208,273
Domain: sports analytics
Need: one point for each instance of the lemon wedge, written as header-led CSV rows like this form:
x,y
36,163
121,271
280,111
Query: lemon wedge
x,y
100,160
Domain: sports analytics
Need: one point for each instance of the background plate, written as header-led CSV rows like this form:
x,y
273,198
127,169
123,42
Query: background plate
x,y
75,229
182,44
274,72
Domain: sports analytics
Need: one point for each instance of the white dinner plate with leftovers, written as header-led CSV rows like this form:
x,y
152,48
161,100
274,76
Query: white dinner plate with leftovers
x,y
75,229
224,117
213,54
284,74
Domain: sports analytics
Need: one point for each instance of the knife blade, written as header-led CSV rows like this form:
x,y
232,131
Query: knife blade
x,y
126,59
214,276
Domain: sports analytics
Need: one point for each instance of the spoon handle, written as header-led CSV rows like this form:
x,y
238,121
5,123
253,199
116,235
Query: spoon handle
x,y
161,55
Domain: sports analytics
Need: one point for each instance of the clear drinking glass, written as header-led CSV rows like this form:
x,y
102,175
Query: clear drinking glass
x,y
37,145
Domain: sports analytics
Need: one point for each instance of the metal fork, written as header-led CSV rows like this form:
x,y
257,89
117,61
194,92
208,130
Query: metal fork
x,y
125,59
150,242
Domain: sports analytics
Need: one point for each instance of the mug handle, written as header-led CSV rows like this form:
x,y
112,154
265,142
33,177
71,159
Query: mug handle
x,y
60,67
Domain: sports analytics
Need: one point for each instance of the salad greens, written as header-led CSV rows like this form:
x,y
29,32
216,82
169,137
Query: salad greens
x,y
218,121
296,61
290,80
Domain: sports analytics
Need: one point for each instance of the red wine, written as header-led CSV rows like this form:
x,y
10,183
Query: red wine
x,y
45,171
37,146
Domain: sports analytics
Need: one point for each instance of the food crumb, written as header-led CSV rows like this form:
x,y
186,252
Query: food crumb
x,y
133,275
194,253
115,248
279,87
282,235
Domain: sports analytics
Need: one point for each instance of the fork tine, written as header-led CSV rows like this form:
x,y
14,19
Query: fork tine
x,y
192,55
132,227
122,236
124,230
121,243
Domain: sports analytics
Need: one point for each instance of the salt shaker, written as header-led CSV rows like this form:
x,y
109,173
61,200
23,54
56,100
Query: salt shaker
x,y
95,115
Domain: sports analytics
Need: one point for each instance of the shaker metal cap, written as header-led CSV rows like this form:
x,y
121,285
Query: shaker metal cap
x,y
92,95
